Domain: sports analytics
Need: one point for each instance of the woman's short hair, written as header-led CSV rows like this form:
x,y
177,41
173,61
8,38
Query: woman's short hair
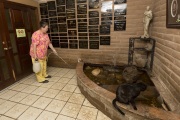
x,y
43,24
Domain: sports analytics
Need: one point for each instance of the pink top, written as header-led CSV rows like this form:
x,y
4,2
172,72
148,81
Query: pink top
x,y
41,41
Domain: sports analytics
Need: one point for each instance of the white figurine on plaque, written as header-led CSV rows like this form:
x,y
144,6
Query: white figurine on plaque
x,y
146,20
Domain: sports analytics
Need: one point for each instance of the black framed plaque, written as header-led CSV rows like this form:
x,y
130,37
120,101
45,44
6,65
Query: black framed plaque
x,y
104,29
106,6
106,19
72,32
119,25
106,23
94,21
52,14
51,5
94,38
43,10
71,23
74,38
61,19
54,38
81,1
62,14
63,34
119,1
70,4
106,14
105,40
82,20
83,38
93,4
53,20
63,40
81,9
93,34
54,28
93,14
81,16
93,27
61,9
55,43
83,34
73,41
122,17
120,9
62,27
94,44
93,30
83,44
54,34
82,29
73,46
61,2
42,4
63,45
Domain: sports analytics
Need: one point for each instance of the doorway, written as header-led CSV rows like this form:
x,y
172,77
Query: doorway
x,y
15,39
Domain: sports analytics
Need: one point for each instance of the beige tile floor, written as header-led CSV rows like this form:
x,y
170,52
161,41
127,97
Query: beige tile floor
x,y
60,99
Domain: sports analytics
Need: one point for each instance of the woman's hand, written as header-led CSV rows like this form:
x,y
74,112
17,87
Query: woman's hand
x,y
55,52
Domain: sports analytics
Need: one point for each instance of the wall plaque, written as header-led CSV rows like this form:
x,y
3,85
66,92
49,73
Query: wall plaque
x,y
52,14
62,14
119,1
106,14
61,19
61,9
120,9
54,38
83,44
82,20
81,1
119,25
71,23
54,34
61,40
93,30
73,46
104,40
82,29
94,44
63,37
62,28
94,38
54,28
106,23
106,18
83,34
122,18
93,14
43,10
105,29
42,4
73,41
81,9
83,38
20,33
72,32
93,4
51,5
106,6
60,2
63,45
55,43
93,27
70,4
63,34
81,16
94,21
72,37
93,34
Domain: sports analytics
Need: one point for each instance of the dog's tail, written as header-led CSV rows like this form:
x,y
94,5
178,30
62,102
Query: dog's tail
x,y
115,105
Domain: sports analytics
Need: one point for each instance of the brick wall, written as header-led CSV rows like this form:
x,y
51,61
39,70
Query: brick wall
x,y
119,41
167,55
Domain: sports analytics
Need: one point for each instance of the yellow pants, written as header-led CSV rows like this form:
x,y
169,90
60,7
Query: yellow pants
x,y
42,74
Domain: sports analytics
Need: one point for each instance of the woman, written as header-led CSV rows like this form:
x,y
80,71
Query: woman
x,y
38,50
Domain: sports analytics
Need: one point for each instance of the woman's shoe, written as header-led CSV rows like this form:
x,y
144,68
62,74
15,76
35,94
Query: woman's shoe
x,y
49,76
45,81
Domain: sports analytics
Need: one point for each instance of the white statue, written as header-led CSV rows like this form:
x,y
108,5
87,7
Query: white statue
x,y
146,20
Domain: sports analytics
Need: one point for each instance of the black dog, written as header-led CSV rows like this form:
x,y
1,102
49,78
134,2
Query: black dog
x,y
126,93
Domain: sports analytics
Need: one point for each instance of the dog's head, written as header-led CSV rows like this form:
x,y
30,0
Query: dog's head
x,y
141,86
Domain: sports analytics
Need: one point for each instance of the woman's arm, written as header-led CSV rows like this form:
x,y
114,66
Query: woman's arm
x,y
34,50
52,48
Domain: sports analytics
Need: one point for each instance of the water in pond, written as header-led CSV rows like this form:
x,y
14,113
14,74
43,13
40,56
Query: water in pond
x,y
110,78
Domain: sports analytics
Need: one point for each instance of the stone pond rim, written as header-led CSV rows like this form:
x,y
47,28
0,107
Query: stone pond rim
x,y
102,99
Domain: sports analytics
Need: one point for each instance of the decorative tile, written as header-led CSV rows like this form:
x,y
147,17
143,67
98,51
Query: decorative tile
x,y
8,94
69,75
59,74
102,116
62,117
64,96
18,97
73,81
69,88
76,98
20,87
45,115
48,85
58,86
77,90
54,79
71,110
5,118
40,91
51,93
87,103
29,89
16,111
37,83
29,100
42,102
87,113
55,106
64,80
6,106
30,114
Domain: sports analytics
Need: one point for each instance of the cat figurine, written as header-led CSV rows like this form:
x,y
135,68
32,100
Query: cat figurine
x,y
126,93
